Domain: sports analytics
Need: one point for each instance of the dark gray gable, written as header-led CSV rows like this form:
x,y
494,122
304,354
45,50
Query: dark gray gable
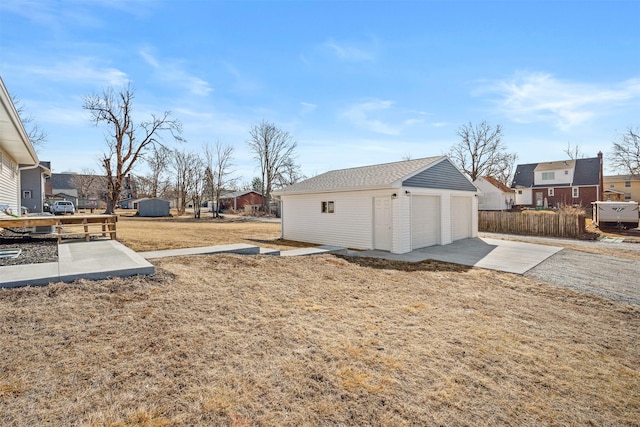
x,y
587,172
443,175
524,176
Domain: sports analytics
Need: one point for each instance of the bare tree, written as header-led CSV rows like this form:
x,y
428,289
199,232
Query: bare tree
x,y
219,160
180,163
158,161
88,183
189,174
625,153
126,141
573,152
274,149
482,153
36,135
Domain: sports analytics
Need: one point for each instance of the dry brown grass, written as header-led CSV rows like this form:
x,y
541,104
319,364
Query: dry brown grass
x,y
233,340
147,234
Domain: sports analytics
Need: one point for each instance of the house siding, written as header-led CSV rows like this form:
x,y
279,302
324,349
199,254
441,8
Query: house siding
x,y
32,180
351,225
563,196
9,183
443,176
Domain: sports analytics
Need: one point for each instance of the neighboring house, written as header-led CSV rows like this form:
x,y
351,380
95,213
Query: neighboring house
x,y
622,188
32,185
16,153
396,207
152,207
494,195
554,184
241,200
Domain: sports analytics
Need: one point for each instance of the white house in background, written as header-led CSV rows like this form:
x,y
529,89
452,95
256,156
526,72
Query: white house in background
x,y
494,195
396,207
16,152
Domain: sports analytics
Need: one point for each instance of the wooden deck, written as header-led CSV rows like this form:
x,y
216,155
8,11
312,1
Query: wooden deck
x,y
86,225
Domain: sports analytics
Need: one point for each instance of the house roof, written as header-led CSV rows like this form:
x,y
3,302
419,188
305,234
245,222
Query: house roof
x,y
552,166
500,186
586,172
523,176
611,178
14,139
386,175
238,194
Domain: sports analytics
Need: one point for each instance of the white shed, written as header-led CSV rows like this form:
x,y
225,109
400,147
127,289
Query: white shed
x,y
396,207
494,195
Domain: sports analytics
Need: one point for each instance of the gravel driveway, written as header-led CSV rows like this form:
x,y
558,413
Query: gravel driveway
x,y
613,277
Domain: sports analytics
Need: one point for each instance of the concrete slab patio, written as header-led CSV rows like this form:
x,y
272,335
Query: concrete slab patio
x,y
99,259
493,254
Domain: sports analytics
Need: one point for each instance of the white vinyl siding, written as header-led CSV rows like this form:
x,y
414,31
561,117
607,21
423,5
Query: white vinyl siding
x,y
351,225
416,214
9,183
425,221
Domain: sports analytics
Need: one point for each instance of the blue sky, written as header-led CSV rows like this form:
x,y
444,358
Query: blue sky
x,y
355,82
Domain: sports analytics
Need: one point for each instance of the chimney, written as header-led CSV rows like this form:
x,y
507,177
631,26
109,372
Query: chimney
x,y
600,178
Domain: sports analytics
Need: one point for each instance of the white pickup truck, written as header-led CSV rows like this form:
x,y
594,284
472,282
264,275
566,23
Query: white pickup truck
x,y
61,207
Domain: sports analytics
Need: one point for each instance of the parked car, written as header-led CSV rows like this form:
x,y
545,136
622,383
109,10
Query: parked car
x,y
61,207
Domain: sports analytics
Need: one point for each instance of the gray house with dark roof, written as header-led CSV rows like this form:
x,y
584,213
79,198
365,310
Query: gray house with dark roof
x,y
396,207
575,182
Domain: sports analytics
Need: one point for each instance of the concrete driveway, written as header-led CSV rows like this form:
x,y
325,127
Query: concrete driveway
x,y
493,254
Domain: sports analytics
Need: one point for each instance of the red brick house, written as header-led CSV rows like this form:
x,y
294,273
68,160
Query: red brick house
x,y
559,183
241,200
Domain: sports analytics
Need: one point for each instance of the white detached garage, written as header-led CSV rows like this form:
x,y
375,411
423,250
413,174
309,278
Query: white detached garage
x,y
395,207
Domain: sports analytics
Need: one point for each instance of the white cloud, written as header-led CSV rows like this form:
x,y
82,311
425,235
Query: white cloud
x,y
360,115
307,107
84,69
538,97
172,71
380,116
350,52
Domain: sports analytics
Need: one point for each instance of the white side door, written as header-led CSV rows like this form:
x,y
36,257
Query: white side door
x,y
382,223
460,218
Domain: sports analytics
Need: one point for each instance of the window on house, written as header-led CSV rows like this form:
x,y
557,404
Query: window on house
x,y
26,194
612,186
575,192
328,207
566,172
550,192
627,196
519,191
627,184
548,176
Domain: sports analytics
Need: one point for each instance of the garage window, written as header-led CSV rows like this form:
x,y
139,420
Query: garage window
x,y
328,207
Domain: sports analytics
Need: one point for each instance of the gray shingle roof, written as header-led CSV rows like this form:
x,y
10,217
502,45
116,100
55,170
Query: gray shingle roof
x,y
384,175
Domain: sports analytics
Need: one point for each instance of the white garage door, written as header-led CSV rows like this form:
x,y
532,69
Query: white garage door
x,y
460,217
425,221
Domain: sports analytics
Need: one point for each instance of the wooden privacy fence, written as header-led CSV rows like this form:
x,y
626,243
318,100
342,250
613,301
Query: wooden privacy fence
x,y
536,224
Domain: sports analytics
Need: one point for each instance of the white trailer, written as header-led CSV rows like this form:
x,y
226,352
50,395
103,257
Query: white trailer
x,y
616,214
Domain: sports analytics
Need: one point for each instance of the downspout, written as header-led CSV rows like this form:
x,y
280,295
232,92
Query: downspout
x,y
600,179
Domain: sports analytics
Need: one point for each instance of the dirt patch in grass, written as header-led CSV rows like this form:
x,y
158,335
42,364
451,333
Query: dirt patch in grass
x,y
233,340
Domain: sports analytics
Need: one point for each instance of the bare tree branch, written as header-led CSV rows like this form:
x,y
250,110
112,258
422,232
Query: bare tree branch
x,y
126,142
573,152
625,152
481,152
274,149
37,136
